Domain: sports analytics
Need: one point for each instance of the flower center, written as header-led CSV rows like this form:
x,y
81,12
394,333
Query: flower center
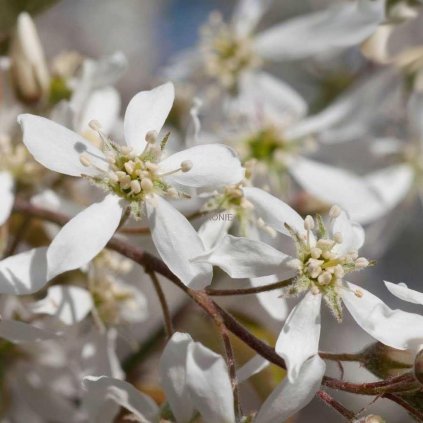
x,y
17,161
226,55
134,176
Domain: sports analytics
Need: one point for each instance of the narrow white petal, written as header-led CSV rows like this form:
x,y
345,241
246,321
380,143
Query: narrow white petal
x,y
177,242
251,368
209,384
273,302
24,273
335,186
404,293
352,233
57,147
172,370
275,99
7,195
147,111
245,258
212,165
273,211
290,397
247,14
390,186
84,236
214,229
102,105
70,304
299,338
20,332
395,328
105,389
337,27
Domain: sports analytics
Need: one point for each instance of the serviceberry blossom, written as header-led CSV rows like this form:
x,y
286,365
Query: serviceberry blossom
x,y
196,381
133,175
228,52
323,259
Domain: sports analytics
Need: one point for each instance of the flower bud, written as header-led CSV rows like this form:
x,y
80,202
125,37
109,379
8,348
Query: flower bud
x,y
28,64
384,361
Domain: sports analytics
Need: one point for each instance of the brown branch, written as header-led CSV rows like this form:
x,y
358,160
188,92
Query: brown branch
x,y
247,291
336,405
163,303
418,415
153,264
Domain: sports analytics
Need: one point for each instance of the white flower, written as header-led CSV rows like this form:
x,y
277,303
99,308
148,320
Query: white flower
x,y
132,174
323,259
195,378
229,51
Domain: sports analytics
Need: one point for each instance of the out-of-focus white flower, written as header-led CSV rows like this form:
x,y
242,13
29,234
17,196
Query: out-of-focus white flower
x,y
28,63
133,175
323,259
195,379
229,51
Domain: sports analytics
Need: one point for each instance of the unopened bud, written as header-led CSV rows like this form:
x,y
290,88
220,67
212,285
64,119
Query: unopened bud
x,y
28,64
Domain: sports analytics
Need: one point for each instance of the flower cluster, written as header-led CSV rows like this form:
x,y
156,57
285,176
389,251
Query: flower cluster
x,y
109,222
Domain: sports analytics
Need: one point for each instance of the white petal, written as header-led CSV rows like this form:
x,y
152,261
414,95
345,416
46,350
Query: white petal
x,y
334,186
212,165
245,258
273,211
299,338
209,384
147,111
352,234
24,273
7,195
288,398
251,368
404,293
70,304
353,112
57,147
337,27
390,186
177,242
275,99
105,388
20,332
214,229
395,328
247,14
272,301
173,376
84,236
102,105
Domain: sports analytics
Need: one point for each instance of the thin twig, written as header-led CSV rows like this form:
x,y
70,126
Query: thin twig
x,y
163,303
152,263
341,357
336,405
247,291
418,415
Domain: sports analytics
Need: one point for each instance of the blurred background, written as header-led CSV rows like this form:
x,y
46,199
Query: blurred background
x,y
149,32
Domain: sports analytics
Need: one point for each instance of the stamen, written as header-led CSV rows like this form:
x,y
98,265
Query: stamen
x,y
85,160
337,237
151,137
361,263
147,185
335,212
186,166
